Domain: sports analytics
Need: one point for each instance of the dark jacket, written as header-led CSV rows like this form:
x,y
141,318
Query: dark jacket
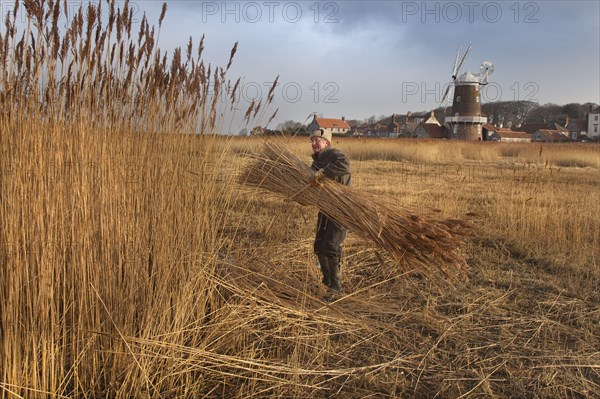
x,y
334,163
329,237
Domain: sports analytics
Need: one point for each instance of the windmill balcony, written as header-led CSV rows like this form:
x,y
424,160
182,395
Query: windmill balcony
x,y
466,119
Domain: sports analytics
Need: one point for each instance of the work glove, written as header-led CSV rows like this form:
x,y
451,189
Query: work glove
x,y
315,179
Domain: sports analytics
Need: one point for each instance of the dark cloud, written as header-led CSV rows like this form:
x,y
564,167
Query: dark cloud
x,y
394,42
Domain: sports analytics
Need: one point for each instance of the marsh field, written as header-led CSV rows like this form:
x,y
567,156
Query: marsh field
x,y
138,266
133,263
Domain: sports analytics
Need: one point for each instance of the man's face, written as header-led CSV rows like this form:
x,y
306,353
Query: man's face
x,y
318,144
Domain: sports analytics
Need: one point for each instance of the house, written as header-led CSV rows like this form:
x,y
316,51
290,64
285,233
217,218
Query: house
x,y
334,126
509,136
408,128
353,123
377,130
395,127
593,128
492,133
534,127
577,128
432,120
391,127
549,136
388,127
410,123
561,129
487,130
358,131
431,129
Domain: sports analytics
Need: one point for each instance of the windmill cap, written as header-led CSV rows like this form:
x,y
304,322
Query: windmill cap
x,y
468,77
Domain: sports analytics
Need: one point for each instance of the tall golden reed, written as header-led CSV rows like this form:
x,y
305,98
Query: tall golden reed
x,y
109,221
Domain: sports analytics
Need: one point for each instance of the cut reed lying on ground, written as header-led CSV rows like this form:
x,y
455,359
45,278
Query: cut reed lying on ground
x,y
428,245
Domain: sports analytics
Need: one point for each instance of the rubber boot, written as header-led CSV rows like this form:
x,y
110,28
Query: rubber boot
x,y
324,263
335,283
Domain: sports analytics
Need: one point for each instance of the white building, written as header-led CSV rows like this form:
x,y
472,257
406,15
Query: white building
x,y
335,126
594,123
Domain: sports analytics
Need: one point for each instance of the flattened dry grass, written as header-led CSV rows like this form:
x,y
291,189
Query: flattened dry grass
x,y
514,330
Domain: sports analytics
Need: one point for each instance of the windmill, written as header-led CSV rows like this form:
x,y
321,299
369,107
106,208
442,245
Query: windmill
x,y
466,120
456,70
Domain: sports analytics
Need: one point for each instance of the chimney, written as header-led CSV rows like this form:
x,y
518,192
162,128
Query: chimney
x,y
567,121
393,118
344,118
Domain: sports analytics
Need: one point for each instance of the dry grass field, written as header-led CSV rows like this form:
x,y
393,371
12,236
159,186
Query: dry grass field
x,y
134,265
523,325
155,274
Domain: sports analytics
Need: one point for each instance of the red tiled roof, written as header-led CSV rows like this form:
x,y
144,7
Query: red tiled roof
x,y
330,123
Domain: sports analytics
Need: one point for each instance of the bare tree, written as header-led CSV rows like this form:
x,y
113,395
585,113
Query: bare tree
x,y
520,111
290,126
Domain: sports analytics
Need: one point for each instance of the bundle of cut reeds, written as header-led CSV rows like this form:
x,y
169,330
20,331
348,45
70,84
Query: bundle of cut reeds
x,y
418,242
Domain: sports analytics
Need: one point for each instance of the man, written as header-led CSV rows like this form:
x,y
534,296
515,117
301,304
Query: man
x,y
329,162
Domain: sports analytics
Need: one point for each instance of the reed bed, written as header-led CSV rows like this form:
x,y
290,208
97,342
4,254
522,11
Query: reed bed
x,y
428,245
105,199
131,266
444,152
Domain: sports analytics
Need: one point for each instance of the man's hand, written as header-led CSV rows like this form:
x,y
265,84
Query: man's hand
x,y
315,179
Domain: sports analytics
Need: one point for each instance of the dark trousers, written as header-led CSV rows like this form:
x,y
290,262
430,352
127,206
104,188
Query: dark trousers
x,y
330,237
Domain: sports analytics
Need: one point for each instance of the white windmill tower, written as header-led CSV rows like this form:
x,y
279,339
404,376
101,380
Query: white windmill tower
x,y
466,120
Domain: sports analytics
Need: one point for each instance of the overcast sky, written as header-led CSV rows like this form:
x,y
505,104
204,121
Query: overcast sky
x,y
363,58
